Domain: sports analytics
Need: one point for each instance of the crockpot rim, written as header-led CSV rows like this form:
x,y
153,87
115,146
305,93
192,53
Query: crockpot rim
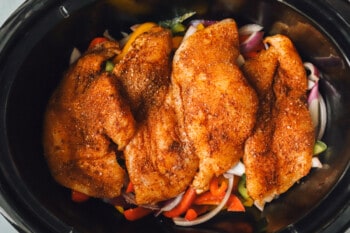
x,y
15,19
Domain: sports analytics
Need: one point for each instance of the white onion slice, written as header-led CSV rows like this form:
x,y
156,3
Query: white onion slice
x,y
316,163
203,218
74,56
249,29
171,205
191,30
238,169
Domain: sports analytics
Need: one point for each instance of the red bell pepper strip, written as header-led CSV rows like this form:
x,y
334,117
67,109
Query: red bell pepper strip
x,y
186,202
136,213
235,204
191,214
130,188
96,41
77,196
215,188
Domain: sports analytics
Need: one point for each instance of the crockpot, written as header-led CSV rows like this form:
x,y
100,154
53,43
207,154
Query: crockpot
x,y
35,46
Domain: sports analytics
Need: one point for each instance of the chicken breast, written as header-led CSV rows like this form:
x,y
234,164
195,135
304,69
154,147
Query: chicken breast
x,y
280,150
85,122
160,165
144,69
214,104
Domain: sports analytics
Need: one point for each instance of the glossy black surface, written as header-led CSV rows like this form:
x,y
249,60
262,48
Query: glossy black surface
x,y
34,50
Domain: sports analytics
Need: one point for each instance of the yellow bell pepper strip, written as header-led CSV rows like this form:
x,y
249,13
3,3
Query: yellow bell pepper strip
x,y
186,202
139,30
136,213
77,196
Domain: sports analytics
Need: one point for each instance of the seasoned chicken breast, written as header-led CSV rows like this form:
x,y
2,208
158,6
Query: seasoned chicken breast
x,y
280,150
144,69
160,165
215,105
86,121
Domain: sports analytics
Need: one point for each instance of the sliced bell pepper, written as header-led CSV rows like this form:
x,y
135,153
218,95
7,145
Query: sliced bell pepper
x,y
138,31
96,41
130,188
235,204
218,189
77,196
186,202
136,213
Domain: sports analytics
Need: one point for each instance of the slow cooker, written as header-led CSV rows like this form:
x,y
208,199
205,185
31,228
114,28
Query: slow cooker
x,y
35,45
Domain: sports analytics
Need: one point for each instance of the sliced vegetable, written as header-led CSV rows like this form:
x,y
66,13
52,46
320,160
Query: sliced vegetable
x,y
314,105
171,204
177,41
136,213
252,44
74,56
316,163
109,66
129,188
138,31
175,24
78,196
191,214
238,169
184,205
96,41
205,217
248,29
235,204
218,186
242,189
319,147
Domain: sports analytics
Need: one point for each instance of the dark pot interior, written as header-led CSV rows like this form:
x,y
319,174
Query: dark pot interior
x,y
34,53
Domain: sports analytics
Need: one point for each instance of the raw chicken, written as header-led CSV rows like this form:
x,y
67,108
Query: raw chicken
x,y
159,165
86,121
215,105
280,150
144,69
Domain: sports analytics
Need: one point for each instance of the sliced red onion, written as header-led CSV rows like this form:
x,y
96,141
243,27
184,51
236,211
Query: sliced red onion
x,y
314,73
323,117
314,105
249,29
74,56
251,42
238,170
171,204
205,22
203,218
